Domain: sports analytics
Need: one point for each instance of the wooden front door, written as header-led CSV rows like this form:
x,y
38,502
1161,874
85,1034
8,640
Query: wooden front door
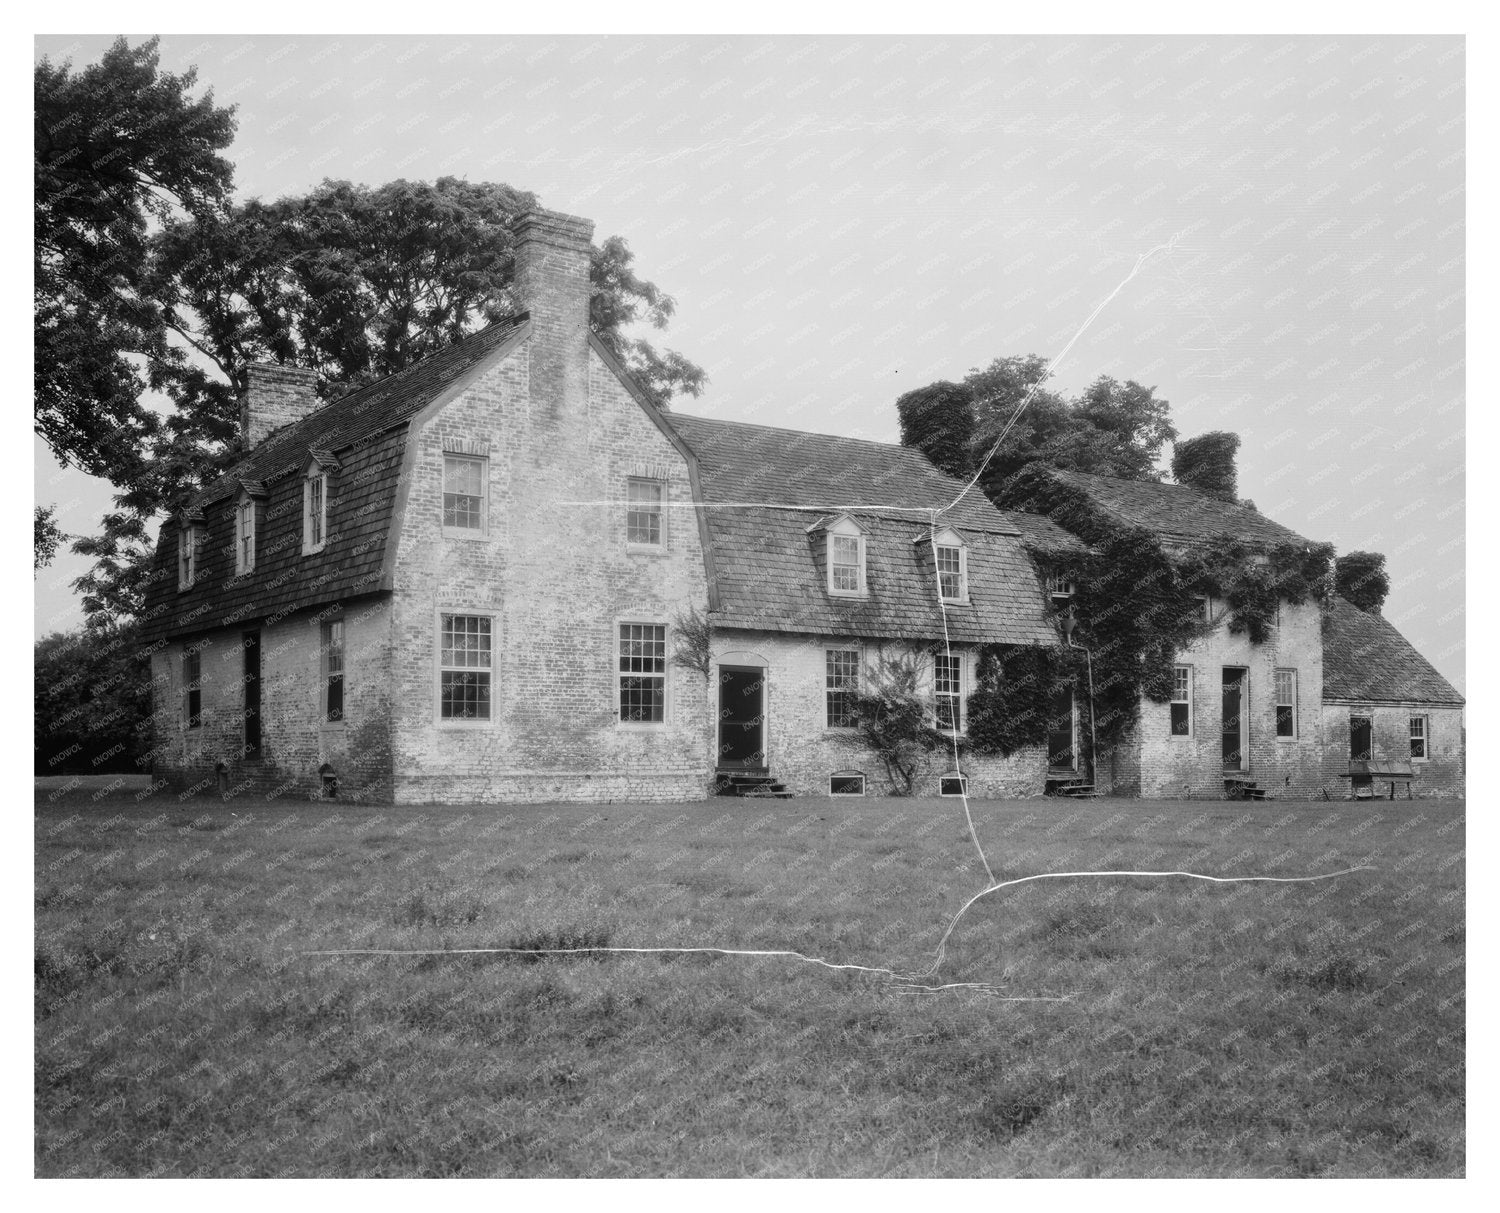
x,y
252,694
742,718
1234,718
1062,731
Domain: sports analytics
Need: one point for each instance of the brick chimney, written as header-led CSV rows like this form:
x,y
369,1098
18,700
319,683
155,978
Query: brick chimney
x,y
552,283
277,396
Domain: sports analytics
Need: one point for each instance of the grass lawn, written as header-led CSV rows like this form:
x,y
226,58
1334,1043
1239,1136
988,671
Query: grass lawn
x,y
1250,1029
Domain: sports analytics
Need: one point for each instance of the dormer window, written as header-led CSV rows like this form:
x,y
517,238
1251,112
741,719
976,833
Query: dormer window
x,y
188,542
1060,590
314,509
846,559
244,534
951,559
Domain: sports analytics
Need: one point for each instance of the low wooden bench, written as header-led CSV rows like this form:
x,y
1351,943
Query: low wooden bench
x,y
1363,773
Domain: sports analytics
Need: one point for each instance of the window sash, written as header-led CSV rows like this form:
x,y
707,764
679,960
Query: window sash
x,y
333,671
643,511
1181,710
315,515
643,673
841,677
187,556
192,680
950,569
947,685
464,484
846,564
1418,735
246,553
1286,703
464,667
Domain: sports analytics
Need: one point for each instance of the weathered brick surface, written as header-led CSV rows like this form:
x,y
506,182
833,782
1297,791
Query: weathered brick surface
x,y
1159,764
1442,774
554,571
802,752
278,396
295,739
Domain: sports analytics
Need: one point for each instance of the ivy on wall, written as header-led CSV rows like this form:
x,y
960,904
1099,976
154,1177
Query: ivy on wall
x,y
1135,605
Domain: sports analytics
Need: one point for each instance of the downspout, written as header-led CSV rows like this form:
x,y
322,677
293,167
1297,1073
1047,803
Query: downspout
x,y
1088,657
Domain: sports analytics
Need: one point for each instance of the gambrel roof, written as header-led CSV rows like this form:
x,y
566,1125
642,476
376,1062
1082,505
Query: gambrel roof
x,y
1366,660
765,490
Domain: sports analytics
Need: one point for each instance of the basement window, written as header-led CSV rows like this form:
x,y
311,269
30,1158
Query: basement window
x,y
953,785
846,783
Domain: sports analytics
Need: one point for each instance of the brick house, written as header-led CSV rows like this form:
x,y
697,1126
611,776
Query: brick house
x,y
1274,717
480,579
467,582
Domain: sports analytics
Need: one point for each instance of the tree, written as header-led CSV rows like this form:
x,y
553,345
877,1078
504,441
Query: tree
x,y
1360,577
119,146
356,282
1112,429
45,537
892,718
92,692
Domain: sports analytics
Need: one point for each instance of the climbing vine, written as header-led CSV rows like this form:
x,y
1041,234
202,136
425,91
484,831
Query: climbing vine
x,y
1135,605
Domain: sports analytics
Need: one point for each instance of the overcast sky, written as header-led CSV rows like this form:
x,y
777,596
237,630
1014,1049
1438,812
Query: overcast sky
x,y
843,219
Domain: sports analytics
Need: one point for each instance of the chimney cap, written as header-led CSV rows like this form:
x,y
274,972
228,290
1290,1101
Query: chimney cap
x,y
281,370
553,227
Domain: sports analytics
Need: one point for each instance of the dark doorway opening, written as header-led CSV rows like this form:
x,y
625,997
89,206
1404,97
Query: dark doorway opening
x,y
1062,731
742,718
252,695
1361,730
1234,718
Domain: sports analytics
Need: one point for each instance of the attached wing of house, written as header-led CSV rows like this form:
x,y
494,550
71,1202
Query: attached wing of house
x,y
1366,660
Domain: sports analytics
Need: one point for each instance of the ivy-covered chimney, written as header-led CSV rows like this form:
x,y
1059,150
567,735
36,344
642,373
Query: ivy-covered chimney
x,y
276,397
1206,463
1360,578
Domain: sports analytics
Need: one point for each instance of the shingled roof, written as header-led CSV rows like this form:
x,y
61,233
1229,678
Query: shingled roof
x,y
364,435
1176,511
768,563
1365,659
365,413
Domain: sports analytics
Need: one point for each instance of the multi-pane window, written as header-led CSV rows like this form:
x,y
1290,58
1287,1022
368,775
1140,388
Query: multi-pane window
x,y
950,570
333,670
1182,701
1286,703
841,679
192,682
1059,587
947,686
845,566
1419,737
643,511
464,492
244,548
643,673
464,677
187,557
314,512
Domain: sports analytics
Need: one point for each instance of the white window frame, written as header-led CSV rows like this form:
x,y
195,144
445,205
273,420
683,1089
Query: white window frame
x,y
956,695
1188,701
314,523
846,528
462,722
949,540
620,675
842,775
645,545
1276,678
963,783
246,523
1426,721
451,531
1059,587
829,689
326,650
189,546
